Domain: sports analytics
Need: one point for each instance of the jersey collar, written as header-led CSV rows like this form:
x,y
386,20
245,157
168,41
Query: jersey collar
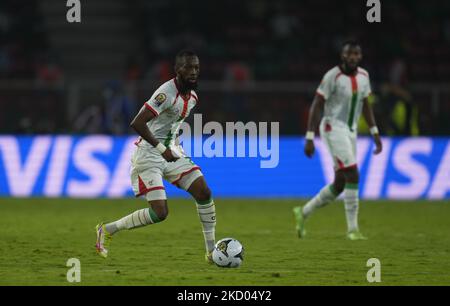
x,y
348,74
178,90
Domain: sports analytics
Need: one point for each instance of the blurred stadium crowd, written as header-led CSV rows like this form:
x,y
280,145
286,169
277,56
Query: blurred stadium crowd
x,y
241,44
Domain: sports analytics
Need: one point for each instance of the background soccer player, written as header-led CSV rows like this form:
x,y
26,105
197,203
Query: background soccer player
x,y
341,97
157,156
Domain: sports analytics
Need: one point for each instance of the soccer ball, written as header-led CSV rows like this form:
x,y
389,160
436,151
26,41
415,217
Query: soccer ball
x,y
228,253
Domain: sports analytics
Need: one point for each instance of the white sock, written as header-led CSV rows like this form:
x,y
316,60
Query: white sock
x,y
207,213
325,196
136,219
351,200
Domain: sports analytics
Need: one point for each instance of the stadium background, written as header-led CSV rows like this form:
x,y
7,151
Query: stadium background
x,y
68,92
261,62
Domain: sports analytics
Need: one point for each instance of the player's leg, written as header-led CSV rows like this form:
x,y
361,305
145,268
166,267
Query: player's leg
x,y
206,211
351,202
145,182
187,176
328,193
351,193
156,213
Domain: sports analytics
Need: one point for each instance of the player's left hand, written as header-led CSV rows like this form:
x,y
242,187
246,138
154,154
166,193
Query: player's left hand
x,y
378,143
170,155
309,148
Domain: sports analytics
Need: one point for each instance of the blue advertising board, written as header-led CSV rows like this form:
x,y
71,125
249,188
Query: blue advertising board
x,y
98,166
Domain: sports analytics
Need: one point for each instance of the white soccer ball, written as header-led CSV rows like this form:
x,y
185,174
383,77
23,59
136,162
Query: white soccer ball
x,y
228,253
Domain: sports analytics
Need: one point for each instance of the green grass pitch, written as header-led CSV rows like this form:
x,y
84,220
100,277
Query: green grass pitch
x,y
38,236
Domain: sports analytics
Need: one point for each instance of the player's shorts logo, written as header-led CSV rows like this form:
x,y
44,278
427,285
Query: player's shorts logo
x,y
160,98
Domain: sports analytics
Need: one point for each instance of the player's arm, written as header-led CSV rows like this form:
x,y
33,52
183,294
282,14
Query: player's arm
x,y
139,124
315,114
370,119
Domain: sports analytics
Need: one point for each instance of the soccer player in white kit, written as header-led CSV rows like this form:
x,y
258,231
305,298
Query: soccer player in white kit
x,y
342,96
158,155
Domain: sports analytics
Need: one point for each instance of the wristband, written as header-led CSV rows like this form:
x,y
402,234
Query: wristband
x,y
310,135
374,130
161,148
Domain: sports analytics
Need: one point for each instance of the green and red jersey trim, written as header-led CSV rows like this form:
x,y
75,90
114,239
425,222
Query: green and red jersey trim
x,y
354,100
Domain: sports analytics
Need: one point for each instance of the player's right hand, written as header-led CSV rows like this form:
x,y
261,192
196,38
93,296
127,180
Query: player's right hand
x,y
378,143
170,156
309,148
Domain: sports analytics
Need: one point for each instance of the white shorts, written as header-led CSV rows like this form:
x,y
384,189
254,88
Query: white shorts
x,y
341,143
148,168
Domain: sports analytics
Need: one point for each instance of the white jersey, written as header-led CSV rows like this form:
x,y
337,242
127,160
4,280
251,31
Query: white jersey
x,y
344,95
170,110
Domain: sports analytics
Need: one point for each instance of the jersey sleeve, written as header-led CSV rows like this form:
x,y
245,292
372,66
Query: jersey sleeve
x,y
159,102
326,86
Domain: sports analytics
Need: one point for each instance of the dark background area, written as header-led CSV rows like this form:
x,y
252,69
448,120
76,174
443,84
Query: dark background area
x,y
260,61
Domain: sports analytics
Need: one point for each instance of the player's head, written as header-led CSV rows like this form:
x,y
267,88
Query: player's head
x,y
351,54
187,68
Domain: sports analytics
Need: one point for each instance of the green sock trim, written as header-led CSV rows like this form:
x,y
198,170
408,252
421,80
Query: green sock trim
x,y
351,186
204,202
333,191
153,216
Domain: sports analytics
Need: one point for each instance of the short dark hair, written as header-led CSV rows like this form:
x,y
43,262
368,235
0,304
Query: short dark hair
x,y
351,43
183,54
